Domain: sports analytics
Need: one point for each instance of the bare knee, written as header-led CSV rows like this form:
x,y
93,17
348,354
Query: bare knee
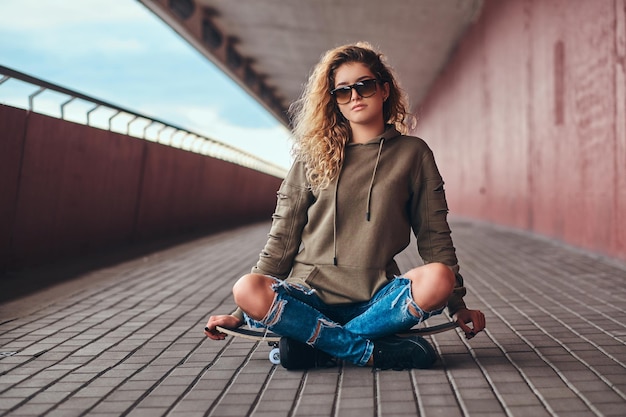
x,y
431,285
254,295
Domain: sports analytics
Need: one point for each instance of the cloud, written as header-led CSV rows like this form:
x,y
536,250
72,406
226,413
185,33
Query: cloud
x,y
117,45
77,28
24,15
270,143
120,52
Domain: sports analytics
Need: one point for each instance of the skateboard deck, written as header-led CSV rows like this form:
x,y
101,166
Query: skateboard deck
x,y
425,331
272,338
260,334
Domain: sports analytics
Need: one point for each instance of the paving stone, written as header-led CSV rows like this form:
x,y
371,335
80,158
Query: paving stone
x,y
131,341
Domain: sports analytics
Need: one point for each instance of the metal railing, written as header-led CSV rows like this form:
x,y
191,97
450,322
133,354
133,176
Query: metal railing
x,y
140,125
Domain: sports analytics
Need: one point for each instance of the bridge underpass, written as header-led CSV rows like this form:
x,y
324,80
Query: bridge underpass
x,y
125,338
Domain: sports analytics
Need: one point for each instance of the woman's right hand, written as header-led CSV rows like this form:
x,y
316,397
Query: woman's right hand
x,y
227,321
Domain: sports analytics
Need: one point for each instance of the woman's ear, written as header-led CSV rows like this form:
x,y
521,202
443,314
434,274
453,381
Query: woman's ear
x,y
385,91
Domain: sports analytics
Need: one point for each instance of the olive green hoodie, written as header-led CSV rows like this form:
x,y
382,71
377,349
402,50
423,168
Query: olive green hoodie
x,y
342,240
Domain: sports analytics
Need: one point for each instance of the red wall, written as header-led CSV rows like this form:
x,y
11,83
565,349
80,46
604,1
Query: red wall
x,y
67,189
528,121
12,129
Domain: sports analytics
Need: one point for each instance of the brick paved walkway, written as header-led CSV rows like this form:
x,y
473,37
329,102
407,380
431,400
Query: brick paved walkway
x,y
130,343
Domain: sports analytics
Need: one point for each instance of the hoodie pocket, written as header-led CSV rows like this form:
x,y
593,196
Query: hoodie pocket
x,y
305,273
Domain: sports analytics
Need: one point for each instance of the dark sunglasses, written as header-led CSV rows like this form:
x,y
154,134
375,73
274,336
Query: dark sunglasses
x,y
365,88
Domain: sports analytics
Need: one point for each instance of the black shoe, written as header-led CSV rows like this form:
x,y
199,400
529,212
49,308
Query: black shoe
x,y
399,353
297,355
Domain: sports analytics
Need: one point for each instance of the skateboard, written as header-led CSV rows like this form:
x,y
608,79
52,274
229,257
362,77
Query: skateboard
x,y
261,335
272,339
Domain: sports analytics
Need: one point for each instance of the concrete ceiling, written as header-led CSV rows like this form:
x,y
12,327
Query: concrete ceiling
x,y
270,46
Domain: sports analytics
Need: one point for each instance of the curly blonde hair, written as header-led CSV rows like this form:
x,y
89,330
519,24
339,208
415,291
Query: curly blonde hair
x,y
320,131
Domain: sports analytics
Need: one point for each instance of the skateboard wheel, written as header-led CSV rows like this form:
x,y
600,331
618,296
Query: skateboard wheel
x,y
275,356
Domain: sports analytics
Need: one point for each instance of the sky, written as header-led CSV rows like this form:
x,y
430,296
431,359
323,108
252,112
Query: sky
x,y
120,52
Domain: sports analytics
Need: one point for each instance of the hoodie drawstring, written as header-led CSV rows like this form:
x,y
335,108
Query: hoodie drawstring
x,y
369,192
335,223
369,198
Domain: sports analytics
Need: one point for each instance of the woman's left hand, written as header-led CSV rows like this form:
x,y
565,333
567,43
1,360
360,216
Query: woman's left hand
x,y
465,316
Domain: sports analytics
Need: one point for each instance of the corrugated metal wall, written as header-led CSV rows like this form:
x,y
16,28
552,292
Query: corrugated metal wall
x,y
528,121
67,189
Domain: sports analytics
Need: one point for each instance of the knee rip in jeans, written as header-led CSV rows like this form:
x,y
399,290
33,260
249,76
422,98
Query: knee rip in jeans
x,y
413,309
275,313
321,324
409,304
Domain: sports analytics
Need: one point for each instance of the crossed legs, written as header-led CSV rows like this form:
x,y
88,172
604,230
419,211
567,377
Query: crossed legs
x,y
431,286
257,296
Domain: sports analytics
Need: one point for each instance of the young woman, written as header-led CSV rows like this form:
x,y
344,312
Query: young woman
x,y
326,279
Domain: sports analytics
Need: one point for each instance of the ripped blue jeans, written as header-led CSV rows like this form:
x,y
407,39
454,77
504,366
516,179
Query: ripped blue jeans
x,y
345,331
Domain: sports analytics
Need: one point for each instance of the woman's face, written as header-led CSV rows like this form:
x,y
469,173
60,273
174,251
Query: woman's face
x,y
361,110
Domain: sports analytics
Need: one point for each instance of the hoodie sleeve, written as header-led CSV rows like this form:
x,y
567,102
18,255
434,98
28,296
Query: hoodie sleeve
x,y
293,200
429,211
